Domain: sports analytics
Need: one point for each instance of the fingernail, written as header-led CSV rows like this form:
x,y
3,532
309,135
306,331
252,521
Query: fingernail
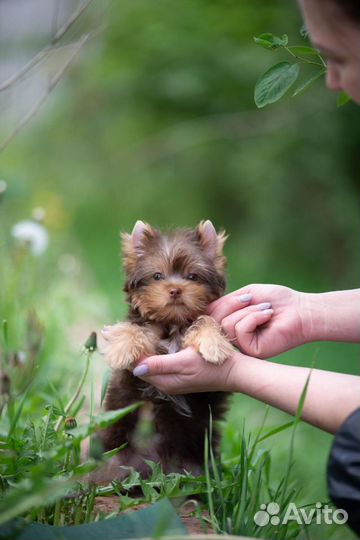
x,y
268,311
141,370
244,297
105,331
264,306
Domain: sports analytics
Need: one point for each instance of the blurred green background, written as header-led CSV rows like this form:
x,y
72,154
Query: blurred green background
x,y
156,121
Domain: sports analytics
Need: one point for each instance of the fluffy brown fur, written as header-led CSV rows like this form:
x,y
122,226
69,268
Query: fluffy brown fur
x,y
170,280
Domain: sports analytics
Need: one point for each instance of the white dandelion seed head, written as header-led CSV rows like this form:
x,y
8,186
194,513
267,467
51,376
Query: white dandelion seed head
x,y
31,234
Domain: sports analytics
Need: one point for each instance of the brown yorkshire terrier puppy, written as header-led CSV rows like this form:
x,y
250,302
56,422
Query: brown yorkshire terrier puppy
x,y
170,280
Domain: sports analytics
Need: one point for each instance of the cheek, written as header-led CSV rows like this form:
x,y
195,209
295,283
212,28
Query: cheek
x,y
196,293
155,295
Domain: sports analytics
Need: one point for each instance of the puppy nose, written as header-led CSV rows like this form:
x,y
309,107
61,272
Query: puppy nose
x,y
175,293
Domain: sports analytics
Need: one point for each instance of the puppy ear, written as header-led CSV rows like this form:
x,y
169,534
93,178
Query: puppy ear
x,y
132,244
138,234
212,243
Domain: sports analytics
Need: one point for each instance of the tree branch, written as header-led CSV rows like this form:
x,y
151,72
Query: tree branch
x,y
53,82
41,55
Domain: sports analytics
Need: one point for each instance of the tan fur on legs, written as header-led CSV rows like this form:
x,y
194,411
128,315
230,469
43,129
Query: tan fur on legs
x,y
206,337
127,343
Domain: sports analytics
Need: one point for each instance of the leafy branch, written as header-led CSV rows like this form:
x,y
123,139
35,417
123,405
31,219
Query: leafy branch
x,y
277,80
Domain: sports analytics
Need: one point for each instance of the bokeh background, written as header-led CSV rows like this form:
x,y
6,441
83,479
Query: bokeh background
x,y
155,120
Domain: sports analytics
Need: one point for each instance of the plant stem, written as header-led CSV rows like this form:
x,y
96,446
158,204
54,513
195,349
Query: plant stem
x,y
305,60
57,513
77,392
91,409
90,504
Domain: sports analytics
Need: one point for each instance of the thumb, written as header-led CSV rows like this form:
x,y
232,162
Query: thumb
x,y
164,364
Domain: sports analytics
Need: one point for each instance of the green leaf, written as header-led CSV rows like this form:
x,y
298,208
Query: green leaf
x,y
342,99
269,41
102,421
156,521
307,51
29,494
275,82
308,82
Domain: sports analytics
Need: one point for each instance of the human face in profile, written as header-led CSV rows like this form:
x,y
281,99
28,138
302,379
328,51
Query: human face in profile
x,y
338,39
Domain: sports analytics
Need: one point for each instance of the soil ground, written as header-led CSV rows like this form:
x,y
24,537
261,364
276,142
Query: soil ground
x,y
193,524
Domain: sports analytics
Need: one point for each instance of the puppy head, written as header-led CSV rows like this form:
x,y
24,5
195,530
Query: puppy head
x,y
172,277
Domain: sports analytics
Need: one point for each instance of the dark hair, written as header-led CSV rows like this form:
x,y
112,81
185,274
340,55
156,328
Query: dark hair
x,y
350,8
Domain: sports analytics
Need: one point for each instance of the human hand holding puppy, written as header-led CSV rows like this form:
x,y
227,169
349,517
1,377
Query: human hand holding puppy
x,y
261,320
297,318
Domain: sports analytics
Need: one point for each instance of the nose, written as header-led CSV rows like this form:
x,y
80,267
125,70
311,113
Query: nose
x,y
175,293
333,79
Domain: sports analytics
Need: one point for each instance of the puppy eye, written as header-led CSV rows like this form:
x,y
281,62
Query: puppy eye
x,y
158,275
193,277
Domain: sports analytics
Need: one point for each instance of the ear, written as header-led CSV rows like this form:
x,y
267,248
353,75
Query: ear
x,y
209,239
212,243
138,234
132,244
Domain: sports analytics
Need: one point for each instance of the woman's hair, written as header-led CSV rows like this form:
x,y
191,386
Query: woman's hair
x,y
350,8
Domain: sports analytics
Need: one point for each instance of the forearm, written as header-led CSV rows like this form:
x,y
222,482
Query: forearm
x,y
330,397
332,316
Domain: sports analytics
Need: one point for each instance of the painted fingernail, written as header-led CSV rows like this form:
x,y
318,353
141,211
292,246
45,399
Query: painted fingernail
x,y
264,306
244,297
268,311
141,370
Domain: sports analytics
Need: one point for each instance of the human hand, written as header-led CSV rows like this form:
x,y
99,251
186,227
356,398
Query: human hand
x,y
262,320
186,372
278,385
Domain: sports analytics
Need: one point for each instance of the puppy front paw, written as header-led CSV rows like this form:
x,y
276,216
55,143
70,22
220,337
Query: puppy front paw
x,y
215,349
127,343
206,337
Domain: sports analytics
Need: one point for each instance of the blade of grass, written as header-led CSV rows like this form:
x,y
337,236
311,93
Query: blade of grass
x,y
244,485
15,419
274,431
292,442
257,437
215,470
208,482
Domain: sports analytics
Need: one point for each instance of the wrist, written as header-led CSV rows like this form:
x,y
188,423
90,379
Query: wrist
x,y
331,316
242,374
313,317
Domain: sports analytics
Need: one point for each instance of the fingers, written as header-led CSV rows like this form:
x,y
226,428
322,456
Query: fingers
x,y
166,364
228,323
245,328
228,304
